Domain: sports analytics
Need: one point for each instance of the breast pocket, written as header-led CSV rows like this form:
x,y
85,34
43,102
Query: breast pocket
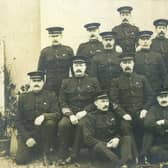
x,y
137,88
45,105
89,88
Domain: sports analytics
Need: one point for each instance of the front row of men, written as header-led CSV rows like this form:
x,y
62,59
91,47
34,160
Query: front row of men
x,y
125,124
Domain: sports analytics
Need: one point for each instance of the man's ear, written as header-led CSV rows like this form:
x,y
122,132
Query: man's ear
x,y
120,64
95,102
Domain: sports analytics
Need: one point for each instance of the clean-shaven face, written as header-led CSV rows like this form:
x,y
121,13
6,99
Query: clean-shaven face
x,y
145,42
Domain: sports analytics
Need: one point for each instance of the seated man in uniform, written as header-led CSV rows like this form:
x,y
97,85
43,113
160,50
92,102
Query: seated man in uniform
x,y
156,127
103,133
76,95
36,119
133,94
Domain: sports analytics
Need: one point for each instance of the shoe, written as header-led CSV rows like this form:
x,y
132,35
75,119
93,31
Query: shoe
x,y
46,160
124,166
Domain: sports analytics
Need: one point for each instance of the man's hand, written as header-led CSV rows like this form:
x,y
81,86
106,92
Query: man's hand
x,y
138,48
30,142
160,122
81,114
127,117
113,143
118,49
143,113
73,119
38,121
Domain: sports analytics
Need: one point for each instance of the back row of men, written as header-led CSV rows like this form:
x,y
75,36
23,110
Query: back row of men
x,y
131,70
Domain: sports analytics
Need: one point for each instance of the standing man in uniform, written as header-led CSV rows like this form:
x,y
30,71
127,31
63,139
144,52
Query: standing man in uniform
x,y
103,133
105,65
156,127
76,94
36,120
160,42
150,63
126,33
89,49
133,94
55,60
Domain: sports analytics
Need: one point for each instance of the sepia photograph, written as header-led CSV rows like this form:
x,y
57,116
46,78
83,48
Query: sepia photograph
x,y
84,84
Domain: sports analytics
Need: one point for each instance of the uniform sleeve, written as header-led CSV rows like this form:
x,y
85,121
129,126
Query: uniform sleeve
x,y
71,53
89,132
148,94
96,85
163,72
136,36
63,101
42,62
79,51
150,122
20,121
93,68
114,98
114,29
54,113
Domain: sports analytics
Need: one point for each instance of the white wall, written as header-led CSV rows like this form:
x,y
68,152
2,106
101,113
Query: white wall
x,y
20,30
20,22
73,14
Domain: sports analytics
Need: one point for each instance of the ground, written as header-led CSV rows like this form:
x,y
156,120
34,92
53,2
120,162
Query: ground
x,y
8,162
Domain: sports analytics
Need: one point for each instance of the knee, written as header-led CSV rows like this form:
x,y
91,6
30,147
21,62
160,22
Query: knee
x,y
21,159
155,150
126,127
49,123
64,124
98,147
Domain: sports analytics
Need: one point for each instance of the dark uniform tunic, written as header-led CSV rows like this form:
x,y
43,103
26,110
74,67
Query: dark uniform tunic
x,y
151,65
132,93
161,45
126,37
30,106
105,66
55,61
76,94
156,140
88,50
99,128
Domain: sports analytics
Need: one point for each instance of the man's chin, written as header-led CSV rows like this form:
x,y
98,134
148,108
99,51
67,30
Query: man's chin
x,y
79,75
36,90
128,71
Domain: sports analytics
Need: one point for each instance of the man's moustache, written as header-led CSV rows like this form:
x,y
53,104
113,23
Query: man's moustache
x,y
36,86
108,45
163,102
105,107
161,33
92,36
125,20
127,68
78,71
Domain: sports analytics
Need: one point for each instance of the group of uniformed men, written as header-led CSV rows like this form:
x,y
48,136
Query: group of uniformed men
x,y
115,102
